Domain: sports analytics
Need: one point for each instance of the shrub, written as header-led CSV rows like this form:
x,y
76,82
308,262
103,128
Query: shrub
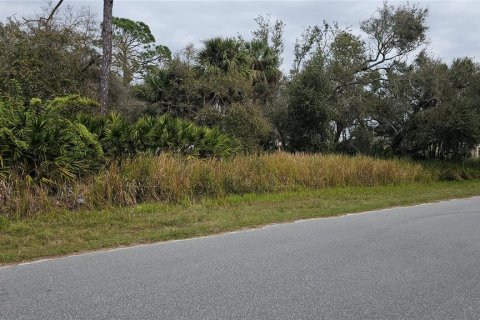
x,y
155,135
41,146
117,137
247,123
69,106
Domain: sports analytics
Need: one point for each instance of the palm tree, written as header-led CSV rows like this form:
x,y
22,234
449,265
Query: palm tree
x,y
224,54
264,62
224,63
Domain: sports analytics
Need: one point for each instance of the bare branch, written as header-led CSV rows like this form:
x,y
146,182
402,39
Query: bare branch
x,y
50,17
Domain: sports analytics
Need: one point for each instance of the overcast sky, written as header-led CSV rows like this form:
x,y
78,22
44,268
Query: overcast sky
x,y
454,25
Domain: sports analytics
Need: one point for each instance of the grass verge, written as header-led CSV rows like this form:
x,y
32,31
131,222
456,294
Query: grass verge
x,y
61,233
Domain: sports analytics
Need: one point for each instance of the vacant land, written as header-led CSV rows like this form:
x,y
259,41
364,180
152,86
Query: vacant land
x,y
67,232
170,178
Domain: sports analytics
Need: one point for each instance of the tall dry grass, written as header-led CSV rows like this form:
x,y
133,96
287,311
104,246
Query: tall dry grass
x,y
174,178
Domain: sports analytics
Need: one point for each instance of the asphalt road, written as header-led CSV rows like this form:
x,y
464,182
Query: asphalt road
x,y
420,262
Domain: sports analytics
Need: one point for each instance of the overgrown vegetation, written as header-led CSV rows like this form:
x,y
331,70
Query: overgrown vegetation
x,y
374,91
43,152
179,178
206,121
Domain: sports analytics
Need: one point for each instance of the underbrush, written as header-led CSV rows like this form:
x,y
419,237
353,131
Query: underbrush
x,y
453,170
175,178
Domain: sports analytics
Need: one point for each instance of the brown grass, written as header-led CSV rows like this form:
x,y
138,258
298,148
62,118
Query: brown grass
x,y
175,179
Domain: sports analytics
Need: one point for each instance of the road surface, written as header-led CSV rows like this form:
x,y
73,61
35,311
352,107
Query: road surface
x,y
420,262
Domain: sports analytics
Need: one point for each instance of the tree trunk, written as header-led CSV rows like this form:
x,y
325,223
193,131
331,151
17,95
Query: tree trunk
x,y
338,132
107,54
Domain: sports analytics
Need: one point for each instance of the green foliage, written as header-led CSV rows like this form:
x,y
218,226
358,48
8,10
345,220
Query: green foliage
x,y
69,106
247,124
400,29
117,141
351,90
169,134
357,94
43,147
135,51
156,135
223,72
431,110
308,108
265,64
136,29
174,89
224,55
47,62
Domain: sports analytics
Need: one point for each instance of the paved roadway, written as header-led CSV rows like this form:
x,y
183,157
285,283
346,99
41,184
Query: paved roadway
x,y
420,262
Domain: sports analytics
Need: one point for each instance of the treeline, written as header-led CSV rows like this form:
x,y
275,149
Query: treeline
x,y
376,92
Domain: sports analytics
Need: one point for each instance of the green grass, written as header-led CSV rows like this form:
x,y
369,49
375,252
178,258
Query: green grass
x,y
61,233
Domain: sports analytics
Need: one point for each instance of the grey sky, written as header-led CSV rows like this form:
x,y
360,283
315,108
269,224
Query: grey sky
x,y
454,25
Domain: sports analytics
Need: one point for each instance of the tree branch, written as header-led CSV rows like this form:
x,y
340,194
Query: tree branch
x,y
50,17
90,63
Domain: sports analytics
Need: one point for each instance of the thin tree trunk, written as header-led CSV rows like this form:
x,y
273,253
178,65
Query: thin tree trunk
x,y
107,53
338,132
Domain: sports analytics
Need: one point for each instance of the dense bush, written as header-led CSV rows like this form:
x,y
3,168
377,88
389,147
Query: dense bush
x,y
244,121
69,106
43,147
167,133
454,170
247,123
155,135
45,143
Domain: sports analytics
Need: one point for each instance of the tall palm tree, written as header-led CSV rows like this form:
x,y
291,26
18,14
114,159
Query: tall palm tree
x,y
264,63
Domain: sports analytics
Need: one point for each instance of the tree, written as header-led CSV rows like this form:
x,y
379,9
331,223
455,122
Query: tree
x,y
247,123
107,35
308,127
225,72
265,51
48,60
271,34
353,70
347,103
309,42
174,89
325,59
194,79
393,33
134,49
431,109
223,54
264,70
